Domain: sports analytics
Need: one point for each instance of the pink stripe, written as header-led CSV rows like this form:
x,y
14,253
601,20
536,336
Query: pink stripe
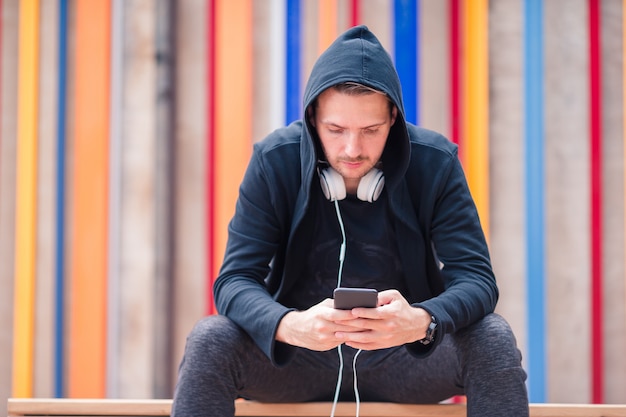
x,y
595,85
210,157
355,12
455,72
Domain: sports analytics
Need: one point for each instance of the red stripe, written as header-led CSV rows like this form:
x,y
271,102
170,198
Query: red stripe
x,y
455,72
210,157
595,85
355,13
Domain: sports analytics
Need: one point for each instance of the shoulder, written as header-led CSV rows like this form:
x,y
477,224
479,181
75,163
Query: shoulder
x,y
429,141
284,139
277,158
432,154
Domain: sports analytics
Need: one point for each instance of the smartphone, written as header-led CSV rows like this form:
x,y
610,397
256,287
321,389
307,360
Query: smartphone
x,y
349,298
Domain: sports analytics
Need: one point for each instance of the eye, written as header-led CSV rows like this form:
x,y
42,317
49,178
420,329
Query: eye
x,y
335,131
371,131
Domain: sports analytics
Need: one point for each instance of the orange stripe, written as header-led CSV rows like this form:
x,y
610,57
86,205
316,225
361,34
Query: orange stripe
x,y
87,355
26,199
476,105
233,111
327,21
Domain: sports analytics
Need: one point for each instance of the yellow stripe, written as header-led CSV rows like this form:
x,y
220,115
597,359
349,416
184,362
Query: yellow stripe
x,y
233,111
476,105
26,199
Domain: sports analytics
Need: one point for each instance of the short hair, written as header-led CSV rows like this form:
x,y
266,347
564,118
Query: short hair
x,y
352,88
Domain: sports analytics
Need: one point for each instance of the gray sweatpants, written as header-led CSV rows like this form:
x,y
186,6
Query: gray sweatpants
x,y
222,363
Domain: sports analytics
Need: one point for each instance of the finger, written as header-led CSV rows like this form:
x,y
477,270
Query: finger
x,y
328,302
340,315
387,296
366,313
362,324
356,335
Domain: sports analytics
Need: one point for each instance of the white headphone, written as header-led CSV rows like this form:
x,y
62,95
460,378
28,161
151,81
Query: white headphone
x,y
334,188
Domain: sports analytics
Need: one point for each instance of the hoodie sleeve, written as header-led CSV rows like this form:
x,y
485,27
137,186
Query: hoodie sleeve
x,y
458,247
254,237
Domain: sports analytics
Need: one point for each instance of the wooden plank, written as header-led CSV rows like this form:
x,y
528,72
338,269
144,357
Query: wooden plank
x,y
347,409
162,407
577,410
88,407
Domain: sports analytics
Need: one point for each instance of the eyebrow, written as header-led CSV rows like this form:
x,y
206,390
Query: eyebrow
x,y
328,123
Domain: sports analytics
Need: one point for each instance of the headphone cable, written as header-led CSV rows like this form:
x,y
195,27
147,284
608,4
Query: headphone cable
x,y
342,256
342,249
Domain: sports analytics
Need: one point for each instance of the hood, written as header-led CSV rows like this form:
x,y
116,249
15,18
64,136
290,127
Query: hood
x,y
358,56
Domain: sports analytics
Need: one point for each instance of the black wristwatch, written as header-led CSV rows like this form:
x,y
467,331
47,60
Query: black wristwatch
x,y
430,332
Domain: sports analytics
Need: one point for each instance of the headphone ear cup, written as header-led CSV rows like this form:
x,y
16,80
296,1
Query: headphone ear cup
x,y
332,184
371,185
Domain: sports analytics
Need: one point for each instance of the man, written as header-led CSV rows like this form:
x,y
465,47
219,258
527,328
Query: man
x,y
354,196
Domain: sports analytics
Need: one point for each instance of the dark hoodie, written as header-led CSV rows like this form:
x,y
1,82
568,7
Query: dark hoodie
x,y
442,247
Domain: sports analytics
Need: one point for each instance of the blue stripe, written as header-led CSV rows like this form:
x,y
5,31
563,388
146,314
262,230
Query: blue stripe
x,y
535,167
59,364
292,90
405,41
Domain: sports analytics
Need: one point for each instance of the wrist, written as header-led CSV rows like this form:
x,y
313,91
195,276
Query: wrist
x,y
284,332
431,332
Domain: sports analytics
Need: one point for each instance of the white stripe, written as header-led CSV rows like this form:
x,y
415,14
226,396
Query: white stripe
x,y
115,190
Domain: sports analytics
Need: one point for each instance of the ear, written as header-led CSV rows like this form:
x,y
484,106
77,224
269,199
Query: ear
x,y
394,115
310,113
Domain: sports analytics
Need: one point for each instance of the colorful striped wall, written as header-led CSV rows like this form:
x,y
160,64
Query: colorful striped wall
x,y
126,126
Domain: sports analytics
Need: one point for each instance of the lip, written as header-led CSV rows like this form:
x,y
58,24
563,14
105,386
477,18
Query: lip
x,y
352,164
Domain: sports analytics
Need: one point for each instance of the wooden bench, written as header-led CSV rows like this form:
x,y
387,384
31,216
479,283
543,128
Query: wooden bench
x,y
151,408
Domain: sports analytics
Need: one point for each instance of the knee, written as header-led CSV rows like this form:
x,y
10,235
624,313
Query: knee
x,y
492,339
214,333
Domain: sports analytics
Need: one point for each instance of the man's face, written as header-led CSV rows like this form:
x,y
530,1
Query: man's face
x,y
353,130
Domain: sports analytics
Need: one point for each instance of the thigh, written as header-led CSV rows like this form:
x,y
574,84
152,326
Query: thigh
x,y
221,362
309,376
395,375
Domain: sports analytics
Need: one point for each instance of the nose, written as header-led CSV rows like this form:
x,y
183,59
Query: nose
x,y
353,145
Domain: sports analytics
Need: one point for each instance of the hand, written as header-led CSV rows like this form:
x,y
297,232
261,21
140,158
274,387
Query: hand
x,y
393,323
317,327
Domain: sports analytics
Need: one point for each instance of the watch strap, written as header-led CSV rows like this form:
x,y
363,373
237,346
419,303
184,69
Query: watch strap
x,y
430,332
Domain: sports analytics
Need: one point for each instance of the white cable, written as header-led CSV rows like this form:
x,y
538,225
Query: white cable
x,y
356,388
342,256
338,386
342,249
